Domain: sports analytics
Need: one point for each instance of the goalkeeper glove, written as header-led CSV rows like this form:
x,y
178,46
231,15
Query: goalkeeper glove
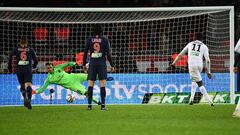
x,y
34,92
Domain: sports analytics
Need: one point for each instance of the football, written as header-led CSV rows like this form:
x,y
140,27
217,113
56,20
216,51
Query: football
x,y
70,98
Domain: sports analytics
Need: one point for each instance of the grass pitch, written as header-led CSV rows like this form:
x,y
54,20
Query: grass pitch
x,y
120,120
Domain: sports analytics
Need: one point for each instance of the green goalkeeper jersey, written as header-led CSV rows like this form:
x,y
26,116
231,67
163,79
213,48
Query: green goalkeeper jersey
x,y
60,77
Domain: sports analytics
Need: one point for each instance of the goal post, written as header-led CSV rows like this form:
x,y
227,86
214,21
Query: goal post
x,y
144,41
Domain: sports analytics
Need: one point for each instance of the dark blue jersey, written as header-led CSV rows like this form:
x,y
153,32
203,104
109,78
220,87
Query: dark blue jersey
x,y
99,49
237,60
24,57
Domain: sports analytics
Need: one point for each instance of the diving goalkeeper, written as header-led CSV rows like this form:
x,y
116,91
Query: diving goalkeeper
x,y
72,81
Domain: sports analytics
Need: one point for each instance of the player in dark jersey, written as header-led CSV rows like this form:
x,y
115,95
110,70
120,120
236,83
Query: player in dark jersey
x,y
99,49
24,56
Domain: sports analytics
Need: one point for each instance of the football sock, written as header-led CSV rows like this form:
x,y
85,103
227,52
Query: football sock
x,y
23,91
193,90
205,94
103,95
90,94
238,107
29,92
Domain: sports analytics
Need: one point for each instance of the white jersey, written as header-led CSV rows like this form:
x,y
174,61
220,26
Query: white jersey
x,y
237,47
196,51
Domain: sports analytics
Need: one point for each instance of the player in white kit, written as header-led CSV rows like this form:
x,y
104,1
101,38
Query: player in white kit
x,y
236,113
196,51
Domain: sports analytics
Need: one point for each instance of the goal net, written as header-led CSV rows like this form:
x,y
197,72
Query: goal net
x,y
144,41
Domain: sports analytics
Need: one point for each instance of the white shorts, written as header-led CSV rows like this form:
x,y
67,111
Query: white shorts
x,y
195,72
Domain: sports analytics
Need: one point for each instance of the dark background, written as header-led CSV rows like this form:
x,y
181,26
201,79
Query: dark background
x,y
50,47
127,3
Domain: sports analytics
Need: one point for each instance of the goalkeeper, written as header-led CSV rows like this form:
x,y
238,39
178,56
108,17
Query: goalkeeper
x,y
72,81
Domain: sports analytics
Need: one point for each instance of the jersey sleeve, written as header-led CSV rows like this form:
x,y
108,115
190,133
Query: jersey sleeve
x,y
185,49
43,87
34,57
12,53
236,59
237,47
67,64
86,49
109,53
206,56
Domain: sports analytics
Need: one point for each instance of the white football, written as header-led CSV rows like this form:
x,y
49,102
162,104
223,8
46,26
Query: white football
x,y
70,98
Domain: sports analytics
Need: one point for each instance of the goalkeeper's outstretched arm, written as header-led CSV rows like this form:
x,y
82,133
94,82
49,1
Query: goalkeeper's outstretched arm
x,y
43,87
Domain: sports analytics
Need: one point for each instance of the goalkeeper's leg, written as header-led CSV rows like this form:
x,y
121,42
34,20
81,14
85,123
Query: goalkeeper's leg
x,y
82,91
93,99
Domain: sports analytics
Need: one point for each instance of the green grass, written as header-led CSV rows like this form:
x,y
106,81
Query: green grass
x,y
120,120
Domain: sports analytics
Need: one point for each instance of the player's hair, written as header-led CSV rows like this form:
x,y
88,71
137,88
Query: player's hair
x,y
97,29
48,64
23,40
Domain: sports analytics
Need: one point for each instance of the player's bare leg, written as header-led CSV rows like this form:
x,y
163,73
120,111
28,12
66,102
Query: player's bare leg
x,y
90,93
103,94
28,87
